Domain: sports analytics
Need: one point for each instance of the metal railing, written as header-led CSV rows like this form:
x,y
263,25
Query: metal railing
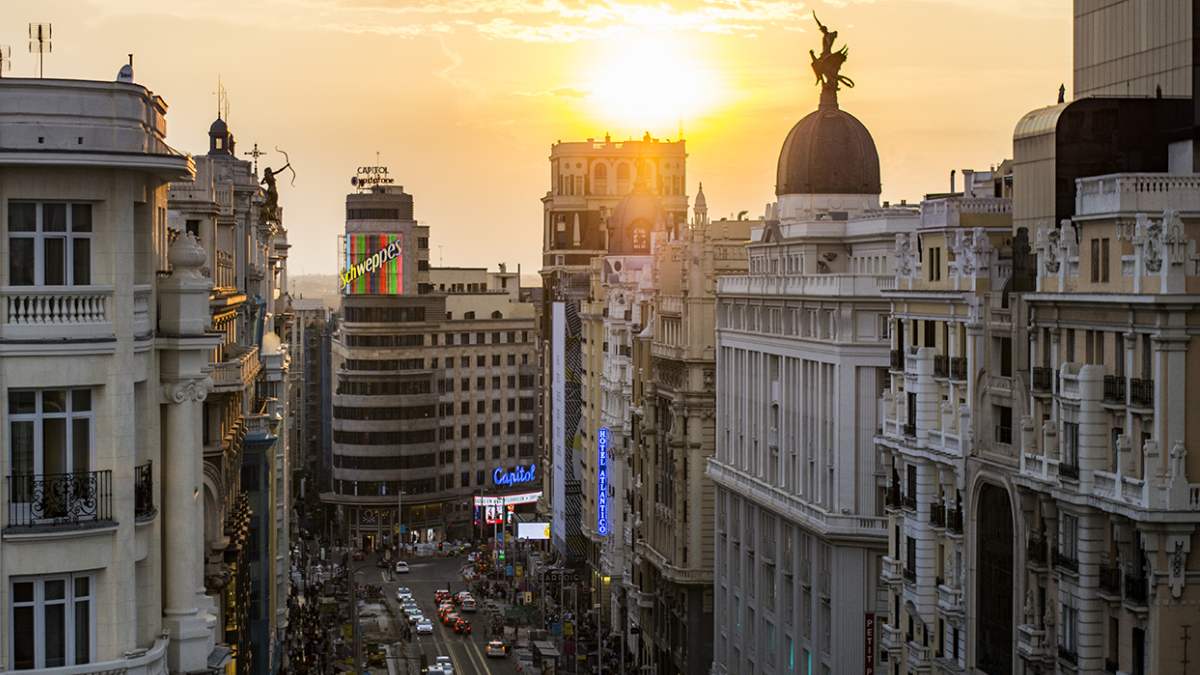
x,y
143,490
1110,579
1067,655
897,359
1068,470
941,365
958,368
937,514
1136,589
1035,550
1065,561
1114,389
1141,392
954,520
1042,379
910,429
59,499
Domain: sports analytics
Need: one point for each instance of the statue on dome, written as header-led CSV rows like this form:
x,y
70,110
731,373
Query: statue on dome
x,y
829,63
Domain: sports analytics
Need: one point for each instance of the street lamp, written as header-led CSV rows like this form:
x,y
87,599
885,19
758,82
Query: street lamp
x,y
354,617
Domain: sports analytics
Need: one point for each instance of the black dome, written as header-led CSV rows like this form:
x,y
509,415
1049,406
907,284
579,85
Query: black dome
x,y
828,152
218,128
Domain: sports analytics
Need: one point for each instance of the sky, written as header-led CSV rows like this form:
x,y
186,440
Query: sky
x,y
462,99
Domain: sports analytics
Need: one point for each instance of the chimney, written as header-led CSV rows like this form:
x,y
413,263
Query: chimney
x,y
951,181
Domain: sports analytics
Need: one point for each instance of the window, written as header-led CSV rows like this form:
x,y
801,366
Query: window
x,y
1070,629
1070,345
465,454
50,433
479,454
479,477
480,361
465,479
512,359
52,619
1070,444
50,244
1003,424
495,452
935,263
1006,354
1068,541
1100,260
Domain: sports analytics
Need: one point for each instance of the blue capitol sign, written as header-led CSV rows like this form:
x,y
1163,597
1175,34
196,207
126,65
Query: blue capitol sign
x,y
602,481
520,474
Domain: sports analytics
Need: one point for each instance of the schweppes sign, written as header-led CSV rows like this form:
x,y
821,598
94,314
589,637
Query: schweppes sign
x,y
361,271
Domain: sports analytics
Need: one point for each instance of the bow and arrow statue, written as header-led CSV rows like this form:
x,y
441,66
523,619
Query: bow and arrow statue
x,y
270,206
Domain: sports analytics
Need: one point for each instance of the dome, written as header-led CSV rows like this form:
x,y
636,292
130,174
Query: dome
x,y
828,152
218,128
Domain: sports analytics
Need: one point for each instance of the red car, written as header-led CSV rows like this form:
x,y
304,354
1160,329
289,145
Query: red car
x,y
462,627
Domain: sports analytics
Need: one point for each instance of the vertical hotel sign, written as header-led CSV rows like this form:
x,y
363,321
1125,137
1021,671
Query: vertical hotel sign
x,y
372,264
602,481
869,656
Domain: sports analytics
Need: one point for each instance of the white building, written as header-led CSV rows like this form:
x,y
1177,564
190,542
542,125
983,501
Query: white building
x,y
104,347
802,356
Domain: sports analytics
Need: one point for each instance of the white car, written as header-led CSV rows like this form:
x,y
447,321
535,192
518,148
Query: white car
x,y
446,664
495,648
416,617
424,627
401,567
403,595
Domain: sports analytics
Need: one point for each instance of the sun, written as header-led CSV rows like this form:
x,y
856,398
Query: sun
x,y
649,81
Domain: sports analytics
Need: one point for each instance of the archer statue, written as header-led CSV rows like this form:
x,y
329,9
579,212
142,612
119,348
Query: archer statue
x,y
829,63
270,206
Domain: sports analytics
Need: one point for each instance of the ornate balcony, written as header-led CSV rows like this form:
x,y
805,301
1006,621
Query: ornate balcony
x,y
941,366
1068,470
1114,389
51,500
143,491
918,655
1032,644
891,570
56,312
1110,581
1042,379
890,638
1141,392
897,359
958,368
236,372
1066,562
937,514
954,520
1137,590
1136,192
950,600
1035,552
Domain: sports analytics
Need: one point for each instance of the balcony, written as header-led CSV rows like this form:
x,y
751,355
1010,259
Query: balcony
x,y
1137,590
53,500
143,491
958,368
1141,392
1042,379
910,429
1114,389
1067,655
236,372
950,600
891,571
827,285
890,638
43,313
1110,581
898,360
941,366
1032,644
937,515
909,502
918,655
1065,562
910,575
1136,192
894,500
954,521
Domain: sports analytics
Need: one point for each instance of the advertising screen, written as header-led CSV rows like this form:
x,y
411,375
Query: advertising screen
x,y
533,531
372,264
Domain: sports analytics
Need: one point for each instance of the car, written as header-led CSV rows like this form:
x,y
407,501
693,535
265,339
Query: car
x,y
462,627
401,567
468,605
403,590
441,594
446,664
403,595
424,627
462,595
450,618
495,648
416,617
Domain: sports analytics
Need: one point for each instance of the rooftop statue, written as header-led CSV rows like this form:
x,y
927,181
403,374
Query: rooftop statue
x,y
270,207
829,63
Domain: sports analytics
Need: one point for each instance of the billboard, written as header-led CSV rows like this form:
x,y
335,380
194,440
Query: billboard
x,y
558,426
372,264
602,481
533,531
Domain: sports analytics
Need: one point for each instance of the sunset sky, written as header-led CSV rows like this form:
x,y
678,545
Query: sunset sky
x,y
463,98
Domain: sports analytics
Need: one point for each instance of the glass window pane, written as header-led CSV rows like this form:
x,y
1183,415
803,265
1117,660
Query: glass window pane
x,y
23,591
54,263
55,634
81,262
23,636
54,217
81,440
83,587
21,261
83,632
55,589
81,217
54,445
22,447
54,401
22,217
21,402
81,400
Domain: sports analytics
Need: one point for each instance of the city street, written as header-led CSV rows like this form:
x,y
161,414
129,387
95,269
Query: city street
x,y
427,575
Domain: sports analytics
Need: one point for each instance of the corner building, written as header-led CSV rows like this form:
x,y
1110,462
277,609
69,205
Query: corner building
x,y
434,378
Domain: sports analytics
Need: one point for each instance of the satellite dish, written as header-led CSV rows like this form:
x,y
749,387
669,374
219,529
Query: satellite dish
x,y
354,181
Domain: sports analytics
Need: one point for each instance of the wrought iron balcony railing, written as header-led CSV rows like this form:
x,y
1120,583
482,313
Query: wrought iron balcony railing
x,y
1067,655
1069,470
1035,550
897,359
143,490
937,514
59,499
941,366
910,429
1065,561
1114,389
1136,589
1042,379
1110,579
958,368
1141,392
954,518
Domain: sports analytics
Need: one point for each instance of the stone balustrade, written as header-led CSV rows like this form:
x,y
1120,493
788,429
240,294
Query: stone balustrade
x,y
56,312
1136,192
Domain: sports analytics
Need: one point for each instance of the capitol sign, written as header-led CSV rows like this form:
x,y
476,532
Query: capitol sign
x,y
520,474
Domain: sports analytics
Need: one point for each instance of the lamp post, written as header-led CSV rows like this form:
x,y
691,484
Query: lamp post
x,y
354,618
399,520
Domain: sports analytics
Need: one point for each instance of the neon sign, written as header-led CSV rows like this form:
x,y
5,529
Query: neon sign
x,y
602,481
373,264
521,474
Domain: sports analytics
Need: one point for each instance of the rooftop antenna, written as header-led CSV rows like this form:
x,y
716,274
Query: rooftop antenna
x,y
439,255
220,94
255,153
39,43
5,59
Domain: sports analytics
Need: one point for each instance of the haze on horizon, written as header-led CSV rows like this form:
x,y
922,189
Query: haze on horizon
x,y
463,98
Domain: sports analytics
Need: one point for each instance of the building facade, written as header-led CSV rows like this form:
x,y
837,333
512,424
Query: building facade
x,y
434,378
802,358
101,570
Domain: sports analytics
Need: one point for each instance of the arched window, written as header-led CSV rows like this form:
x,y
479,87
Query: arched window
x,y
497,314
622,171
601,172
469,315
